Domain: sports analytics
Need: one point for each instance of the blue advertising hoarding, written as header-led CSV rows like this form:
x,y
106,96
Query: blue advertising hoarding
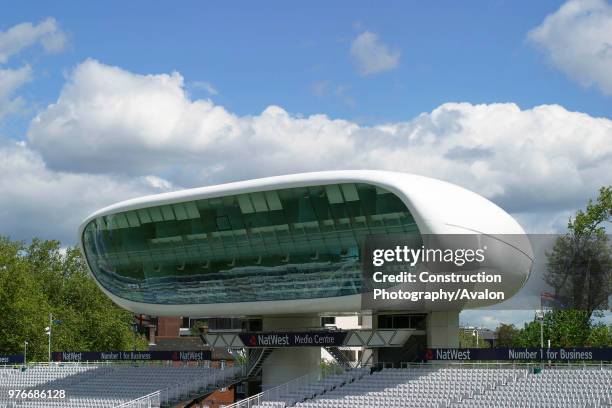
x,y
520,354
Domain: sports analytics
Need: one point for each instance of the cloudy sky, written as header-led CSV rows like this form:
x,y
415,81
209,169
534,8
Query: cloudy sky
x,y
99,104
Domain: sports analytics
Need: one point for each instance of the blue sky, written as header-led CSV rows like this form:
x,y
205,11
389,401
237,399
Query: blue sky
x,y
104,102
298,55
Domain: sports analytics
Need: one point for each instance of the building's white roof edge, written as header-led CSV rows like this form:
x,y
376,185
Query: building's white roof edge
x,y
247,186
438,207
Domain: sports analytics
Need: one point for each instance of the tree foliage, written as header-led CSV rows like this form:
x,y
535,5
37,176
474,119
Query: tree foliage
x,y
580,263
565,328
580,271
600,336
41,278
467,339
506,335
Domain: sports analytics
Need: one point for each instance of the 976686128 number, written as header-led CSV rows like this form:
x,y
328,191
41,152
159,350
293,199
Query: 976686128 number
x,y
36,394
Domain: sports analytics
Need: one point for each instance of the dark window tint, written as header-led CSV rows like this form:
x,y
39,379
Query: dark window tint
x,y
298,243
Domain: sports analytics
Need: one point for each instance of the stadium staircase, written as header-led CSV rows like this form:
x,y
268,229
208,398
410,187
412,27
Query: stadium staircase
x,y
340,357
300,389
256,359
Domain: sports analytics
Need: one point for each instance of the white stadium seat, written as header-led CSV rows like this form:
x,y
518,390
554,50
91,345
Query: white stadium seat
x,y
432,386
106,386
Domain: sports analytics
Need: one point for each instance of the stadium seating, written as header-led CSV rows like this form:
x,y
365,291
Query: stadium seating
x,y
555,387
311,390
436,387
103,386
428,386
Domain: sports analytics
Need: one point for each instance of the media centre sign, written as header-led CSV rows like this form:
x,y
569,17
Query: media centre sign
x,y
293,339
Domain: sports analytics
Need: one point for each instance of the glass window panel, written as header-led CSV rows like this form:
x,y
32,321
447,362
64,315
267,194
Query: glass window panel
x,y
333,194
245,204
192,210
259,202
300,243
143,215
350,192
101,223
223,223
121,221
179,210
167,213
273,200
156,214
132,219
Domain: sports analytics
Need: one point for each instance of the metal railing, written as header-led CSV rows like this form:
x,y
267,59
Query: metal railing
x,y
281,391
172,394
152,400
190,363
491,364
184,391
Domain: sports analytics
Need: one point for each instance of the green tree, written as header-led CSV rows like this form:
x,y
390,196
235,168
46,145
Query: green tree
x,y
600,336
467,339
564,328
197,328
507,335
529,335
42,278
569,328
22,303
580,263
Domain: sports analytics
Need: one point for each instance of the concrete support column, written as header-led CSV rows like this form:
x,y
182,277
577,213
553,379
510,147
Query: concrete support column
x,y
443,329
285,364
369,321
152,335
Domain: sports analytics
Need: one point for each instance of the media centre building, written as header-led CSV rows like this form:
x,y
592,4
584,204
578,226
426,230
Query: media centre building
x,y
286,251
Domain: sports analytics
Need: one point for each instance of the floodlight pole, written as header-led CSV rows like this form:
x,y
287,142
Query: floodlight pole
x,y
50,329
540,317
542,331
25,353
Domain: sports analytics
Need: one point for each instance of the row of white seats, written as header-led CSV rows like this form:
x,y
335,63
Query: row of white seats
x,y
551,388
108,386
311,390
429,386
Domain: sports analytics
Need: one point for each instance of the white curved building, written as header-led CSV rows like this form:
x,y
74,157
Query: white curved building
x,y
284,246
156,254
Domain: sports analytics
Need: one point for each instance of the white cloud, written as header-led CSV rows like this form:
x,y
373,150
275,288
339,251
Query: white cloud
x,y
324,89
158,183
10,81
205,86
320,88
138,122
492,319
578,40
37,201
24,35
342,92
371,55
539,163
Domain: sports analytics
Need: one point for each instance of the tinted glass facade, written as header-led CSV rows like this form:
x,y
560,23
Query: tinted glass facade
x,y
297,243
